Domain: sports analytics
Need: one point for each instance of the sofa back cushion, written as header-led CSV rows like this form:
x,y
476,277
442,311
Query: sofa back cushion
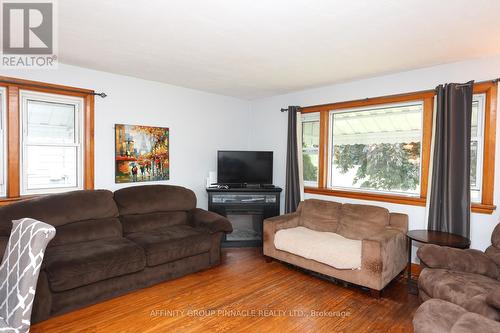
x,y
151,207
88,230
320,215
153,199
77,216
152,221
362,221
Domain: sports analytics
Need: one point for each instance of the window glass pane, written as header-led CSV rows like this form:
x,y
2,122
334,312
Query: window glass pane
x,y
377,149
51,122
476,166
310,148
51,167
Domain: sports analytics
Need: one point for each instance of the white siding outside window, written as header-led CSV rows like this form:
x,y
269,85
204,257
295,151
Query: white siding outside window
x,y
51,143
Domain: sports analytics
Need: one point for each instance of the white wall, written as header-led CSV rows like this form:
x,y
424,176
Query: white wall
x,y
200,123
270,125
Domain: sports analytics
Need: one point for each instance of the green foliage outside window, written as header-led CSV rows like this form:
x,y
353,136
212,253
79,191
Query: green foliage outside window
x,y
383,166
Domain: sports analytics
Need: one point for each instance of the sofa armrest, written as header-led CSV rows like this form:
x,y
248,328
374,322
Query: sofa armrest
x,y
385,253
272,225
210,220
469,261
283,222
399,222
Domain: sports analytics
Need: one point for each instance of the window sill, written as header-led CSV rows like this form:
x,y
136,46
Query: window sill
x,y
397,199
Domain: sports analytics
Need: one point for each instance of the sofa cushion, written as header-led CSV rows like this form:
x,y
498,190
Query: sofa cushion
x,y
60,209
154,198
73,265
471,322
325,247
362,221
320,215
87,230
152,221
436,316
172,243
457,287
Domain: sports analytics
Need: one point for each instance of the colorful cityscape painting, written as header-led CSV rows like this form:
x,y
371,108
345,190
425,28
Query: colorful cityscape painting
x,y
141,153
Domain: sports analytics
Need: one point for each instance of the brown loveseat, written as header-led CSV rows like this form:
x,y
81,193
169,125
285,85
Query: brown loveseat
x,y
382,235
463,284
109,244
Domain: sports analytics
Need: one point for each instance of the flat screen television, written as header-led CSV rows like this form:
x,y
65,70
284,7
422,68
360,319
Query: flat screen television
x,y
244,167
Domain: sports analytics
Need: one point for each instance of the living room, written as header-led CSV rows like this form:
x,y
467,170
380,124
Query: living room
x,y
302,166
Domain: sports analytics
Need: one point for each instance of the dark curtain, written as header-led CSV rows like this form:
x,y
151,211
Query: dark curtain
x,y
449,204
292,185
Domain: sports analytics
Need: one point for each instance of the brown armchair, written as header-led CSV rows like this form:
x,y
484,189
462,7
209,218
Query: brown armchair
x,y
461,289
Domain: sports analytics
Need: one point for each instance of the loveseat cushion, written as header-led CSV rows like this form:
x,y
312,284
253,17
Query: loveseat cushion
x,y
320,215
325,247
362,221
152,221
60,209
172,243
154,198
73,265
468,290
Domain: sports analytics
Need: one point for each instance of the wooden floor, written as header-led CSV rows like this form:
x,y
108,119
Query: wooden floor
x,y
245,294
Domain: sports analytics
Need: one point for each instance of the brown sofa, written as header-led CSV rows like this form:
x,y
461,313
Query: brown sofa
x,y
463,284
383,237
109,244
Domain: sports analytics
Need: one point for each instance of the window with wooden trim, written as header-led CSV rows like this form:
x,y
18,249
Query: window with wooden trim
x,y
379,148
48,138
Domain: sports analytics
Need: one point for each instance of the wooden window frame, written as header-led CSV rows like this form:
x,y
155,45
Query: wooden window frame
x,y
13,87
427,97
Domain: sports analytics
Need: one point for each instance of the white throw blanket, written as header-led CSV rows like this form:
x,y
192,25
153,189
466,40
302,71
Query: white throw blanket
x,y
326,247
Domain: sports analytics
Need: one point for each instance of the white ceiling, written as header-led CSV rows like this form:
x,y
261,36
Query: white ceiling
x,y
257,48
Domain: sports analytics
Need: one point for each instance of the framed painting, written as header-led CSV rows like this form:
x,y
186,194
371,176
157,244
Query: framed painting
x,y
141,153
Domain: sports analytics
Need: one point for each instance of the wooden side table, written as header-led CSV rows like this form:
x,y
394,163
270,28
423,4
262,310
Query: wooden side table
x,y
432,237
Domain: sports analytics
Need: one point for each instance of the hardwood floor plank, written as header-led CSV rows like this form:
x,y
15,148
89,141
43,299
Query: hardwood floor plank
x,y
245,294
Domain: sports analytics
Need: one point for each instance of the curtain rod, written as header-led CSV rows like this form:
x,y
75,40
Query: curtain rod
x,y
422,91
101,94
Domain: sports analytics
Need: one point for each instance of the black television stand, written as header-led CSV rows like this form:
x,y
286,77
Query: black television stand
x,y
246,208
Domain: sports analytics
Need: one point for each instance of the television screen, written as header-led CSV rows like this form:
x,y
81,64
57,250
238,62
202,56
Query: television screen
x,y
245,167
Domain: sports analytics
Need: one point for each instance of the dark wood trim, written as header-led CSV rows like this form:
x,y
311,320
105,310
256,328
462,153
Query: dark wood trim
x,y
398,199
490,88
408,97
426,145
13,128
324,120
88,144
13,142
44,87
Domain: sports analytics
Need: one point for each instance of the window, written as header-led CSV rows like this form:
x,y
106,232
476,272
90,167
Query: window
x,y
46,141
379,148
310,148
3,132
51,158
